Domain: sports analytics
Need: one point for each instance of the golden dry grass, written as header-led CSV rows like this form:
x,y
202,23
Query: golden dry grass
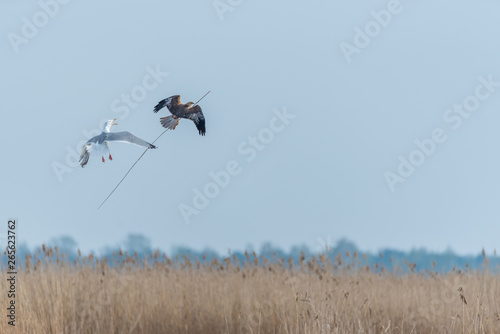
x,y
161,296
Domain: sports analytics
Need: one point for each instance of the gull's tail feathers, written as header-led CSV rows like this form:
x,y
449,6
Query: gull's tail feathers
x,y
169,122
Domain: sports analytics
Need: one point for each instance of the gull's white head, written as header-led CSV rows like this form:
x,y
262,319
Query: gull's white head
x,y
109,124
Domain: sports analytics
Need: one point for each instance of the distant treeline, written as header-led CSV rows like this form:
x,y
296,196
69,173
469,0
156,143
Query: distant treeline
x,y
343,255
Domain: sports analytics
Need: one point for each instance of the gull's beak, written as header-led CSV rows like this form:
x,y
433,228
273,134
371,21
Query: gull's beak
x,y
115,123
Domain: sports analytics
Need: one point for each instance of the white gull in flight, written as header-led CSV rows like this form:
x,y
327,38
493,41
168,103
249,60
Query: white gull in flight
x,y
99,143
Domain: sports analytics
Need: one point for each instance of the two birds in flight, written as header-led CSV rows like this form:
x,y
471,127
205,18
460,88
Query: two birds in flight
x,y
178,110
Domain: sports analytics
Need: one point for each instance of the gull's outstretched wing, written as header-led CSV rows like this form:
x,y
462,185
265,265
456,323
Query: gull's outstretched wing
x,y
127,137
196,115
89,146
85,154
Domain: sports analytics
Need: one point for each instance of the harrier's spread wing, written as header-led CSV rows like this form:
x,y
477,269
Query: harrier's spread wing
x,y
170,102
196,115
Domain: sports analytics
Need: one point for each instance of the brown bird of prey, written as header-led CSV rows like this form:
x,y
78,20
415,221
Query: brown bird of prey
x,y
179,110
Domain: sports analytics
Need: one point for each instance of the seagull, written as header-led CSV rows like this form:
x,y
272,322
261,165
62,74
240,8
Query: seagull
x,y
179,110
99,143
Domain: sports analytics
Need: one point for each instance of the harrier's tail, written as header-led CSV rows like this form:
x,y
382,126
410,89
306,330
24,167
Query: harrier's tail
x,y
169,122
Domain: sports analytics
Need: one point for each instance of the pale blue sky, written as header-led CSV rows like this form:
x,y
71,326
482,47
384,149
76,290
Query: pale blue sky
x,y
320,177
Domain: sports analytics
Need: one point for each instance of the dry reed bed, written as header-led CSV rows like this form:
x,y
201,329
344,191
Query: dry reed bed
x,y
158,295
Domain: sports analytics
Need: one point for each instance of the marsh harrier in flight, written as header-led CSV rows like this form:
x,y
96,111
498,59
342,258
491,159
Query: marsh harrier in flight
x,y
178,111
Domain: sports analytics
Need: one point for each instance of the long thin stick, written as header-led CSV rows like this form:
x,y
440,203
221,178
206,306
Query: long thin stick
x,y
201,99
130,170
141,158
